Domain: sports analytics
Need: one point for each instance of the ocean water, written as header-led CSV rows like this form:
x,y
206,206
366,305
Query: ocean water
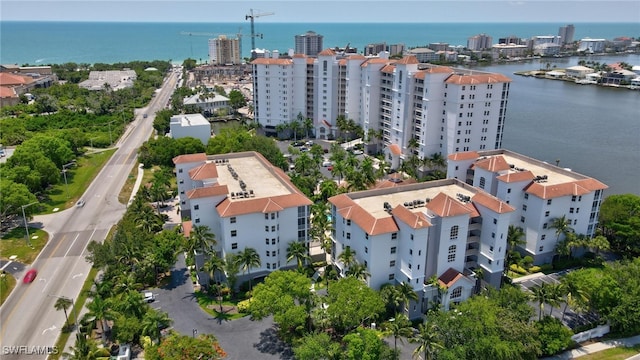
x,y
109,42
592,130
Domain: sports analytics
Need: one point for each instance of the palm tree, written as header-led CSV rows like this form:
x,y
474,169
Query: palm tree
x,y
247,259
515,238
201,238
152,322
428,341
213,266
407,294
63,303
348,257
84,349
299,251
398,327
540,294
358,271
574,295
556,293
561,225
100,310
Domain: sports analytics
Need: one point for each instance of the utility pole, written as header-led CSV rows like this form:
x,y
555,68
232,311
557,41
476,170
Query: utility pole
x,y
26,226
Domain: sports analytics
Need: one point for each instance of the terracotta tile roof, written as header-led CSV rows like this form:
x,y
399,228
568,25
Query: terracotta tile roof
x,y
204,171
463,79
327,52
516,176
384,184
445,206
449,277
550,191
13,79
186,228
491,202
228,208
348,209
298,56
388,68
207,191
408,60
414,220
468,155
268,61
310,61
7,92
493,164
356,57
439,70
342,62
189,158
395,149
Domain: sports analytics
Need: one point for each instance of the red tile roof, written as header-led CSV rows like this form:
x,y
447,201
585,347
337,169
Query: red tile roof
x,y
327,52
348,209
578,187
186,228
207,191
189,158
493,164
228,208
414,220
297,56
269,61
469,155
464,79
445,206
516,176
491,202
7,79
7,92
204,171
408,60
449,277
395,149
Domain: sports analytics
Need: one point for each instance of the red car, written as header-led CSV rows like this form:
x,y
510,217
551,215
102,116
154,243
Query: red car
x,y
30,276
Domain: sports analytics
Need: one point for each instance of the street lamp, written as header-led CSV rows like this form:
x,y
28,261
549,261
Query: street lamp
x,y
26,226
64,172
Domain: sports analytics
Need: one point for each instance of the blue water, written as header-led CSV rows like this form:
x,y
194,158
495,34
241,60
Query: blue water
x,y
83,42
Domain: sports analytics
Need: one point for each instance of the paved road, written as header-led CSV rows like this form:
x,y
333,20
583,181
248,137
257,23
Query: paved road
x,y
27,318
241,339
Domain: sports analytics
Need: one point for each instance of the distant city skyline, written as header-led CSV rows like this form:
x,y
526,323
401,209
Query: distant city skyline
x,y
313,11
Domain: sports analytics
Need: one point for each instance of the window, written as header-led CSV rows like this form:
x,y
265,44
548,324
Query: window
x,y
495,221
268,253
348,236
196,207
393,250
366,250
394,236
524,207
197,220
266,241
453,234
573,198
392,263
521,218
266,216
273,241
180,171
234,233
348,222
549,202
234,246
481,183
266,228
546,214
451,257
541,248
273,265
411,236
571,210
544,226
232,219
273,253
526,196
491,248
273,228
273,216
392,276
456,293
543,237
268,266
410,251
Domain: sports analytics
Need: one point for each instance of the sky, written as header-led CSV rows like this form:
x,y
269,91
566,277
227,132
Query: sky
x,y
448,11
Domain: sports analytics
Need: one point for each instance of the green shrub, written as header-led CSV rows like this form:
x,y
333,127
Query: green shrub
x,y
554,336
243,306
518,269
527,261
535,269
546,267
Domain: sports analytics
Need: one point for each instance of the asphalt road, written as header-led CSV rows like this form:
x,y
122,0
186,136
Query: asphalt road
x,y
29,324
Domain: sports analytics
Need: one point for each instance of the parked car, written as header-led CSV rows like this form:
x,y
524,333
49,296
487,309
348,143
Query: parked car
x,y
327,163
80,203
30,276
149,297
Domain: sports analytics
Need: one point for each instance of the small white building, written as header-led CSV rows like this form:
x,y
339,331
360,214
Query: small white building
x,y
190,125
499,51
592,45
578,72
208,102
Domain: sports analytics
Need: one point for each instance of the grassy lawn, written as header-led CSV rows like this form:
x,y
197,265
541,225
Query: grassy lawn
x,y
15,243
7,283
619,353
63,196
211,306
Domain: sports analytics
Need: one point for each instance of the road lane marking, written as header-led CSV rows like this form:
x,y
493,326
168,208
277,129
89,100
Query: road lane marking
x,y
77,275
87,243
52,328
70,247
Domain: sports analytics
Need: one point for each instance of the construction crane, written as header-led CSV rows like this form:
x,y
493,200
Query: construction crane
x,y
252,16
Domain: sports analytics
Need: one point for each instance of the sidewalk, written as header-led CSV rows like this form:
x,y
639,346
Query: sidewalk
x,y
599,346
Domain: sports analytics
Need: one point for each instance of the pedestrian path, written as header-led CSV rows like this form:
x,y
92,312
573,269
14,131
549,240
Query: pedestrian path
x,y
599,346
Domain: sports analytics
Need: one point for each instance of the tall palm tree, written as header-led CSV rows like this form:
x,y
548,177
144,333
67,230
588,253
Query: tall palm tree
x,y
63,303
515,238
556,293
540,294
399,327
84,349
299,251
391,296
100,311
407,294
201,238
562,226
152,323
247,259
215,265
428,341
574,295
348,257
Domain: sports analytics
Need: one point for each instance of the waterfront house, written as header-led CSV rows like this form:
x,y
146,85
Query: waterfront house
x,y
578,72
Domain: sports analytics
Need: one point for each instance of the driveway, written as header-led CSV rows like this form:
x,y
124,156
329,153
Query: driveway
x,y
241,339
